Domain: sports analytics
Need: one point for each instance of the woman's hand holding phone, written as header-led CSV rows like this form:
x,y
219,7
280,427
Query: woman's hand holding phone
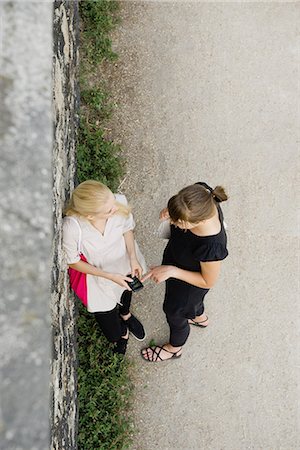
x,y
121,280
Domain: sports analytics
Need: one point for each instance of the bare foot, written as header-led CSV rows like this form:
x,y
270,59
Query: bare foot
x,y
200,321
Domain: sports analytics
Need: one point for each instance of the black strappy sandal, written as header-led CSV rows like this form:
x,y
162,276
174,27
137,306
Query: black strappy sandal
x,y
198,324
155,356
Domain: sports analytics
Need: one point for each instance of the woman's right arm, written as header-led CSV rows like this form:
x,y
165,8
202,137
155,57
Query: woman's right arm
x,y
87,268
70,244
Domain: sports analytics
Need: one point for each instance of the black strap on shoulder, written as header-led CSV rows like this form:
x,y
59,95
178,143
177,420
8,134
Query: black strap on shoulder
x,y
205,185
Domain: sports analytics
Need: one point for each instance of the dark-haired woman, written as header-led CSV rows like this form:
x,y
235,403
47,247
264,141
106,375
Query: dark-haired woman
x,y
191,263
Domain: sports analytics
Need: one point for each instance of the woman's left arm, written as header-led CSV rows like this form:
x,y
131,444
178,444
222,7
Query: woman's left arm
x,y
136,269
206,279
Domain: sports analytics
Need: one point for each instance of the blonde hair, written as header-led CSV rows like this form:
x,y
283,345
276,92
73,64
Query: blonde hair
x,y
88,197
195,203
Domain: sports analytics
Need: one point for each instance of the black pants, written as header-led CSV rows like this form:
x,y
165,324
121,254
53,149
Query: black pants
x,y
182,302
179,329
110,322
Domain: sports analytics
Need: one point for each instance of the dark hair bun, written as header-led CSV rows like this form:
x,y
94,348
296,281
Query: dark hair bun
x,y
219,194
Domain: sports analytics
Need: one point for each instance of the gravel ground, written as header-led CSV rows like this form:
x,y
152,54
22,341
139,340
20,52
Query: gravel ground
x,y
209,91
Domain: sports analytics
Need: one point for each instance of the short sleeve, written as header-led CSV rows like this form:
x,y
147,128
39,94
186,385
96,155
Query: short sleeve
x,y
129,222
210,252
70,241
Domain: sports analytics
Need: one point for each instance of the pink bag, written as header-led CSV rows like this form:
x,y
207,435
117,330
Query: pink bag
x,y
78,279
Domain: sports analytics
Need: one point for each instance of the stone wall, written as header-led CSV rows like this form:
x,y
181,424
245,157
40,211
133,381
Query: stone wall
x,y
39,57
65,76
25,223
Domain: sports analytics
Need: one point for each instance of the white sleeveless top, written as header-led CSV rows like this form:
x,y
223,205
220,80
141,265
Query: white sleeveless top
x,y
106,251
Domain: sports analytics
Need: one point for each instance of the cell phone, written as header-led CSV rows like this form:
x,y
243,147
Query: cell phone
x,y
135,284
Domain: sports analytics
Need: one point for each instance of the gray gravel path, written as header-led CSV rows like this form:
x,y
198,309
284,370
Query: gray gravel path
x,y
209,91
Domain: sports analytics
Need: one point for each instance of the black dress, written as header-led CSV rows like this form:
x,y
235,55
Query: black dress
x,y
186,250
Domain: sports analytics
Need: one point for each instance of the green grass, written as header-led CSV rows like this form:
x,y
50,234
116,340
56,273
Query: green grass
x,y
103,382
98,19
104,390
97,158
98,101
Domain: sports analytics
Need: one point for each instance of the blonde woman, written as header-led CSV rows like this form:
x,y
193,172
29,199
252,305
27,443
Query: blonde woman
x,y
191,263
103,223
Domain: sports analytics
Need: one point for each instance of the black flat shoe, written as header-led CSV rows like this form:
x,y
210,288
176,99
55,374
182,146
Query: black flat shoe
x,y
135,328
